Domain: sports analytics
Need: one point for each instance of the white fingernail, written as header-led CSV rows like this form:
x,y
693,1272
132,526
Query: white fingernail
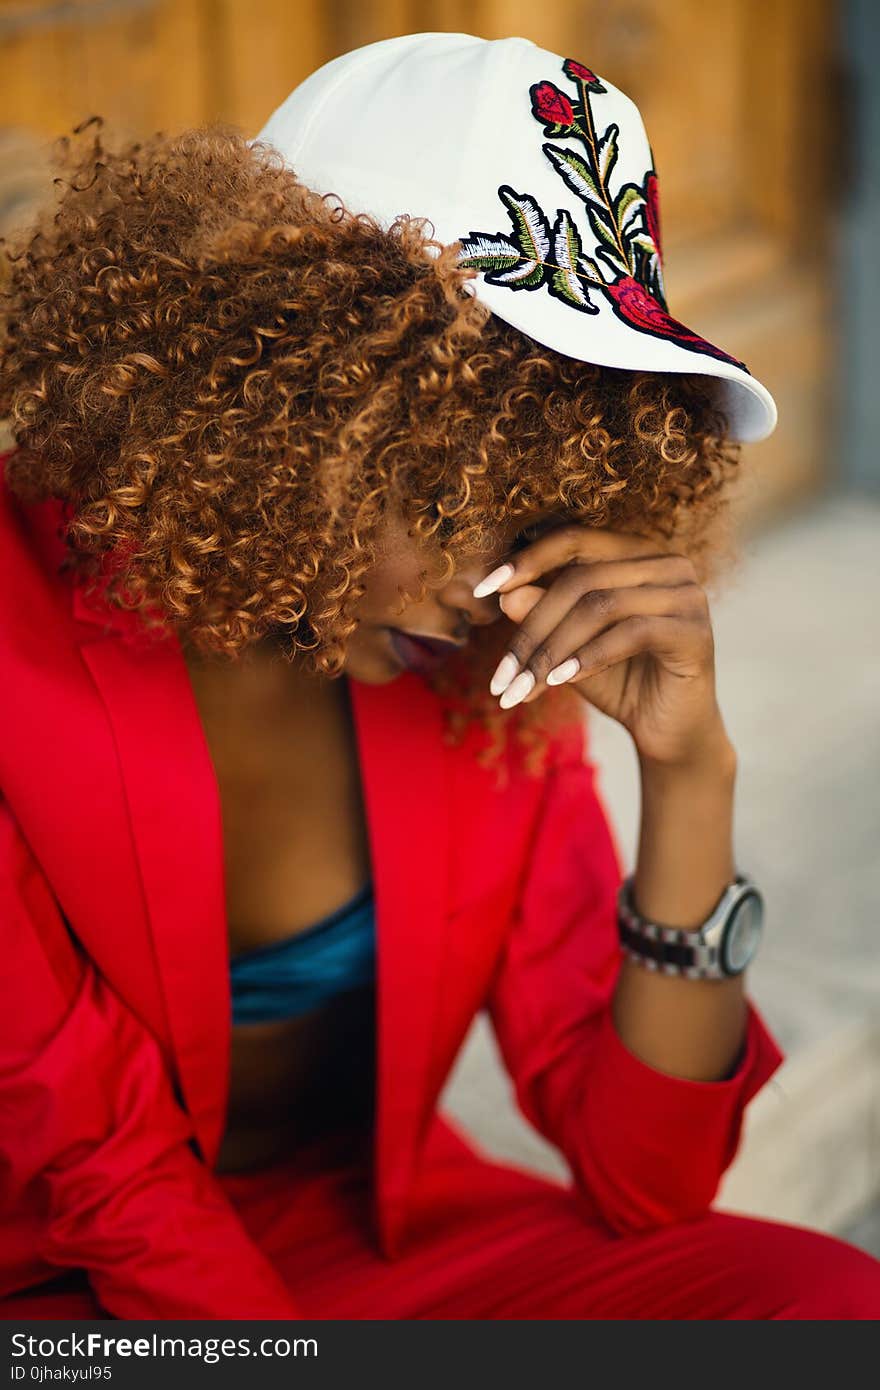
x,y
564,672
518,690
504,674
493,581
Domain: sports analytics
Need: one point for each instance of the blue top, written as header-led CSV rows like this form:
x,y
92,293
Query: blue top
x,y
292,976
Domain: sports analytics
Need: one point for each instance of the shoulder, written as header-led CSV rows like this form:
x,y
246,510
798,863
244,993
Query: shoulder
x,y
32,545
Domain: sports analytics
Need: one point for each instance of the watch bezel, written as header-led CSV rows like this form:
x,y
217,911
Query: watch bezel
x,y
731,916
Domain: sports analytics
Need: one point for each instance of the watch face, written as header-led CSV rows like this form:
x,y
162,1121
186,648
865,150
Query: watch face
x,y
743,932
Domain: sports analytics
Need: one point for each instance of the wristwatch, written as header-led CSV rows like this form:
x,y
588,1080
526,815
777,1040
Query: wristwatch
x,y
724,944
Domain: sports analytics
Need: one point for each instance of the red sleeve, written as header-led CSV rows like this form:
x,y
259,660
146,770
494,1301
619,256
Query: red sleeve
x,y
645,1147
89,1116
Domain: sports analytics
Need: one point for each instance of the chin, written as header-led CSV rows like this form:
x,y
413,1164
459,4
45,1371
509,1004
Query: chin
x,y
372,675
372,663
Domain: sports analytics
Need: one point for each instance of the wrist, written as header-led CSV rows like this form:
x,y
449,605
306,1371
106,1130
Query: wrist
x,y
685,854
709,757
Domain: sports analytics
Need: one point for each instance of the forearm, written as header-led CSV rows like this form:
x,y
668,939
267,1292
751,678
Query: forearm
x,y
690,1028
646,1143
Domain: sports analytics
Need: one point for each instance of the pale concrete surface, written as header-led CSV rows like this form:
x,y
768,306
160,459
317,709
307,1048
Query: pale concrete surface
x,y
866,1232
798,659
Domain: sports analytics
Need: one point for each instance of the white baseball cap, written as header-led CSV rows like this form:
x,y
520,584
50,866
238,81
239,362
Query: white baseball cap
x,y
539,168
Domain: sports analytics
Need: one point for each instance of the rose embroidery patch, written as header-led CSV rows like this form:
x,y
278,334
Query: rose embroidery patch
x,y
626,263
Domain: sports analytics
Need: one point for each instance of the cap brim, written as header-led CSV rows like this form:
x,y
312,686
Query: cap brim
x,y
602,338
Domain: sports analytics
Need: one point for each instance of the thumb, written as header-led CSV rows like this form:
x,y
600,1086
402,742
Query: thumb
x,y
519,602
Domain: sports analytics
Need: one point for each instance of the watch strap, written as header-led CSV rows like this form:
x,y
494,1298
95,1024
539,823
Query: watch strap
x,y
671,950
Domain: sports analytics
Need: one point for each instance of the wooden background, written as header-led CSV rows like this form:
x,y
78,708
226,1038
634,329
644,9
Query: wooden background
x,y
742,100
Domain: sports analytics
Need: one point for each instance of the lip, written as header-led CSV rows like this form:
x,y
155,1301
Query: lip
x,y
419,651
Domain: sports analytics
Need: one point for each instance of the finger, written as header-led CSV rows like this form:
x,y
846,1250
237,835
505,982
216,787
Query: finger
x,y
592,592
666,635
519,604
565,545
579,579
537,617
594,614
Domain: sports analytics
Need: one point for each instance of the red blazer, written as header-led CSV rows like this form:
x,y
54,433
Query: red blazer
x,y
114,989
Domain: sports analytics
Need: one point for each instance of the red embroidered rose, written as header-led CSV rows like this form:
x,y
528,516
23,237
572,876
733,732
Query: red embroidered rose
x,y
551,106
578,72
639,309
652,211
626,224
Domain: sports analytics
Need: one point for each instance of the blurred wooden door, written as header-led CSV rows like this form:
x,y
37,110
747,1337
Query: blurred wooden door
x,y
739,98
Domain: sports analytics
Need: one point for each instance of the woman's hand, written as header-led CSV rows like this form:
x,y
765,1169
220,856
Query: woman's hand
x,y
627,623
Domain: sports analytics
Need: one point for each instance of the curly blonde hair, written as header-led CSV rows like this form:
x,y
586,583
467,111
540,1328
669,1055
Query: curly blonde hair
x,y
229,379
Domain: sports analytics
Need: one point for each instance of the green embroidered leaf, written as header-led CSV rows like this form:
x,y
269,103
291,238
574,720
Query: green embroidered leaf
x,y
603,231
567,281
607,153
519,261
614,263
484,252
529,224
627,206
555,129
528,275
643,242
577,174
591,270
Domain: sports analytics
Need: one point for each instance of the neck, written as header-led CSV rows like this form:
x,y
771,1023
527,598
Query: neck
x,y
262,674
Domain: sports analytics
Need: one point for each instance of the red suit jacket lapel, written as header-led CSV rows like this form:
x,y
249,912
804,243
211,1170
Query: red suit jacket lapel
x,y
174,808
119,800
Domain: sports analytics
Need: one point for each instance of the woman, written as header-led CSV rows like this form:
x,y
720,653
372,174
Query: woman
x,y
319,538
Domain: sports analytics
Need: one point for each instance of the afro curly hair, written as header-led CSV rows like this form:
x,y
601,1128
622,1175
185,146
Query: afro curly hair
x,y
229,379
